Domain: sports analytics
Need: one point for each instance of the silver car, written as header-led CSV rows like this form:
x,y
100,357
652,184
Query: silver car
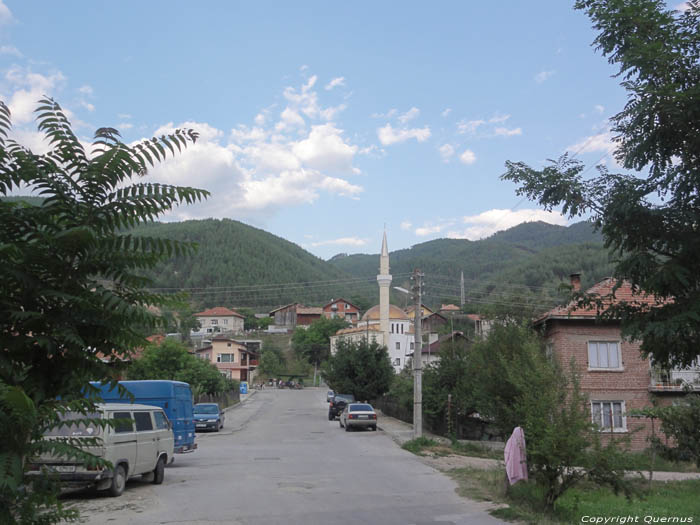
x,y
358,415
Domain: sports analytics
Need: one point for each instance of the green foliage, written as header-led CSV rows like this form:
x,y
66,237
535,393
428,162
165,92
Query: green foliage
x,y
448,377
361,369
251,322
71,287
272,362
681,423
171,360
648,220
313,342
417,445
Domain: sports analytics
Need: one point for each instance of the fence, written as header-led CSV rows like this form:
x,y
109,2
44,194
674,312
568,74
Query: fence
x,y
224,400
463,426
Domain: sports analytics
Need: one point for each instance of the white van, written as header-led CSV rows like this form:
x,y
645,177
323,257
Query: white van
x,y
140,442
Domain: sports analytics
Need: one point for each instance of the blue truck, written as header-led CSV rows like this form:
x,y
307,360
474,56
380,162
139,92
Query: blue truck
x,y
174,397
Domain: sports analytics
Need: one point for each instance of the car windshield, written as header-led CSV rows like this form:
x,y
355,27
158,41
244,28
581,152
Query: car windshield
x,y
347,398
71,427
361,408
206,409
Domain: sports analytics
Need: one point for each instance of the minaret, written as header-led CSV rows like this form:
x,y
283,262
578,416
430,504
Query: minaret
x,y
384,281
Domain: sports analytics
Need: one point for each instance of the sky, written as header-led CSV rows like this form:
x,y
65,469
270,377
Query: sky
x,y
327,122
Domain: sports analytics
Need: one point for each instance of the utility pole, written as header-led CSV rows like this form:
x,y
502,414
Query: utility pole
x,y
417,289
461,296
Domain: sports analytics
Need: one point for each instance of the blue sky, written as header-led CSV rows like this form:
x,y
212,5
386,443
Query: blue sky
x,y
322,122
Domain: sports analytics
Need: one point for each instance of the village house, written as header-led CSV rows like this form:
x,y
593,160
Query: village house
x,y
431,353
612,372
220,320
233,358
340,308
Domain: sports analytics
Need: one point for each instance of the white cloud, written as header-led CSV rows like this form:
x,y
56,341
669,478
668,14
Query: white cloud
x,y
343,241
505,132
469,127
542,76
338,81
492,221
446,152
406,225
325,149
428,230
446,112
468,157
601,142
409,115
599,108
86,90
125,125
11,51
499,119
124,116
683,6
261,168
388,135
5,14
87,105
29,87
387,115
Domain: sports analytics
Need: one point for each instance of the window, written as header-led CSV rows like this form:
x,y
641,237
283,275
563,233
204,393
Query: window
x,y
347,306
604,354
214,321
392,328
397,361
225,321
412,345
123,423
402,328
143,421
398,345
549,350
161,420
228,344
607,412
224,358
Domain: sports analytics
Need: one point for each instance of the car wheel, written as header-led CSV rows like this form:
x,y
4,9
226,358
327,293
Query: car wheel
x,y
330,417
218,426
159,471
347,428
374,427
340,422
118,482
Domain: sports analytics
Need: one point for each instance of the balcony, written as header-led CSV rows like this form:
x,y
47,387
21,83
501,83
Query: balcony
x,y
675,380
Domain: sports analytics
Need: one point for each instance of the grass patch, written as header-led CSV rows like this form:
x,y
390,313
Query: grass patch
x,y
642,460
476,450
523,500
419,445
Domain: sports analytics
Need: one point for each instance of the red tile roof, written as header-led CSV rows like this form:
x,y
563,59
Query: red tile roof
x,y
604,290
309,310
449,308
339,300
218,311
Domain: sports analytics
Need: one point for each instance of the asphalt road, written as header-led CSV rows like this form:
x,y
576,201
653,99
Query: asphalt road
x,y
280,461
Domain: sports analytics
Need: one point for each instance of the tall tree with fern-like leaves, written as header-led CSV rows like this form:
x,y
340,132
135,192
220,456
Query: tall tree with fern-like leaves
x,y
650,215
73,301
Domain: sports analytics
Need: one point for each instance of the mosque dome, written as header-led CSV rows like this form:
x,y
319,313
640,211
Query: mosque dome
x,y
394,313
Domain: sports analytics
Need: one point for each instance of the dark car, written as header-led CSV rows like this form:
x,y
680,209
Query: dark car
x,y
208,416
337,405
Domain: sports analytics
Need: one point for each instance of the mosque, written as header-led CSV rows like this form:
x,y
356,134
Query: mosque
x,y
385,323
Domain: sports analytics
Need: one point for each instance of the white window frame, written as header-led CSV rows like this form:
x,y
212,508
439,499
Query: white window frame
x,y
601,423
397,361
214,322
233,358
598,366
398,345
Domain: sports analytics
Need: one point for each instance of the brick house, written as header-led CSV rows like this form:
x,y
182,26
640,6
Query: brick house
x,y
233,358
220,319
308,314
342,309
612,372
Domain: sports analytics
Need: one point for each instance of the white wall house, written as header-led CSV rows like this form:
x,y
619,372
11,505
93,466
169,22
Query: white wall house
x,y
220,320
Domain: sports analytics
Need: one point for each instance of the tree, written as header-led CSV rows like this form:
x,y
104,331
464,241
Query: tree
x,y
649,219
523,387
681,422
361,369
313,343
171,360
72,294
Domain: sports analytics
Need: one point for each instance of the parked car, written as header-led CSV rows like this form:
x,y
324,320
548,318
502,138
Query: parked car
x,y
174,397
337,404
358,415
329,396
208,416
140,443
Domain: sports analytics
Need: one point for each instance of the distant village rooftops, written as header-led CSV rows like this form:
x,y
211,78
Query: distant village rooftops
x,y
309,310
358,330
449,308
219,311
394,313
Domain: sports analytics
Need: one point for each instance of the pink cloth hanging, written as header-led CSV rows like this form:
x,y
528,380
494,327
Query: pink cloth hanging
x,y
516,459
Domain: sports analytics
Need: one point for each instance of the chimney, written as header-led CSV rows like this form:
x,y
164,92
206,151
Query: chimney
x,y
576,281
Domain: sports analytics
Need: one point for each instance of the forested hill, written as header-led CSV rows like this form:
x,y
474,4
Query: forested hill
x,y
522,266
231,257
